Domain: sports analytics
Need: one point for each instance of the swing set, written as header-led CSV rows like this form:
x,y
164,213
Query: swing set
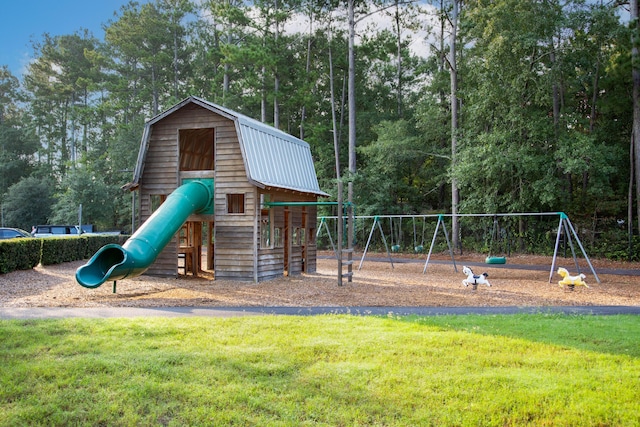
x,y
498,237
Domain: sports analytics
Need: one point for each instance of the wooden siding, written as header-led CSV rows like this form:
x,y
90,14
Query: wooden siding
x,y
234,233
237,254
271,260
161,175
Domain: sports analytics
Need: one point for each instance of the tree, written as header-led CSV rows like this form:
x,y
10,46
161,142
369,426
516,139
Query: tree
x,y
29,202
17,142
9,94
634,25
453,73
149,54
508,97
84,187
397,167
219,35
59,81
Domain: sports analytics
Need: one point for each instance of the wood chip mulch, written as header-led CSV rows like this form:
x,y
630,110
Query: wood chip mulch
x,y
376,284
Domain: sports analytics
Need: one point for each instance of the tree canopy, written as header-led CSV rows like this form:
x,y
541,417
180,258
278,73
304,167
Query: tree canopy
x,y
543,101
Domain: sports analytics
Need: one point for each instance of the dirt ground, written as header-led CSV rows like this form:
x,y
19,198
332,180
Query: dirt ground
x,y
376,284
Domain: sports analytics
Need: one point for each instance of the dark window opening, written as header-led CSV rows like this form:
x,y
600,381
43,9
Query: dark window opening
x,y
196,149
235,203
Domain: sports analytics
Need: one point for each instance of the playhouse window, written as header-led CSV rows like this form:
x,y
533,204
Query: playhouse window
x,y
155,200
265,229
235,203
296,236
277,237
196,149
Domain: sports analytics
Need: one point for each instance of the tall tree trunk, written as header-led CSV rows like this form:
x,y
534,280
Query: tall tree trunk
x,y
276,106
303,114
336,148
276,81
635,64
556,96
352,125
630,201
453,74
352,89
263,100
399,61
154,86
227,70
175,62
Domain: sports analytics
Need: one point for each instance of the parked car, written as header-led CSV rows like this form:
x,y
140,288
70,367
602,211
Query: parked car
x,y
55,230
12,233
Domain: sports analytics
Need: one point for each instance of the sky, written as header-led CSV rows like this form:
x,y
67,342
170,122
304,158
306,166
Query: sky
x,y
24,20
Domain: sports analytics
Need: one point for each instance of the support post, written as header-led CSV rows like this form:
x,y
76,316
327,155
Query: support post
x,y
340,232
376,221
566,224
366,247
433,241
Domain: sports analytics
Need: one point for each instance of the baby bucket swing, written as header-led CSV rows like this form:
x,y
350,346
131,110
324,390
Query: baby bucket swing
x,y
495,235
418,248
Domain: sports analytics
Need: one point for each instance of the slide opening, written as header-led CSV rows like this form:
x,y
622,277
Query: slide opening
x,y
95,273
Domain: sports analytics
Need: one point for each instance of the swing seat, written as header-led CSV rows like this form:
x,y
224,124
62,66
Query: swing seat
x,y
395,248
418,249
495,260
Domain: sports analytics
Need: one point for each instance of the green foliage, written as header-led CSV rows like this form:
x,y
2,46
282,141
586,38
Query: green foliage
x,y
19,254
396,171
500,370
84,187
56,250
17,147
24,254
94,242
544,103
29,202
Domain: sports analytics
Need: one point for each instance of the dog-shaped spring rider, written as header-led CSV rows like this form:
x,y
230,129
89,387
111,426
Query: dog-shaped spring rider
x,y
474,279
571,281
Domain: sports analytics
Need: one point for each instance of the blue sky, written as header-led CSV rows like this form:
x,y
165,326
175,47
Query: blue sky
x,y
24,20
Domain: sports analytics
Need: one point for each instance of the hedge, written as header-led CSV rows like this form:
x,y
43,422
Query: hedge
x,y
19,254
24,254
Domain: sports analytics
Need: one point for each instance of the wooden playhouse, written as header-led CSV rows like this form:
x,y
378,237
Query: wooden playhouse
x,y
263,221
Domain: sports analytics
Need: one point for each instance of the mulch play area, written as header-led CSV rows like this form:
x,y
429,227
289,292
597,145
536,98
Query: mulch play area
x,y
523,281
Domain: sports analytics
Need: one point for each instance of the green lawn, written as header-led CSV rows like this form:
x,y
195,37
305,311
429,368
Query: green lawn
x,y
332,370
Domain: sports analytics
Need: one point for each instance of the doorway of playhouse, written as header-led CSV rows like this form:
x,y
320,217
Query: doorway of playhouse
x,y
196,249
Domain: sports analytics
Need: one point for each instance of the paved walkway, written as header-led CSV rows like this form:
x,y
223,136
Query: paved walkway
x,y
132,312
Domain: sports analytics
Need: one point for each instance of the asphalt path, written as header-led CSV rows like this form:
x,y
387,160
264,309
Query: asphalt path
x,y
8,313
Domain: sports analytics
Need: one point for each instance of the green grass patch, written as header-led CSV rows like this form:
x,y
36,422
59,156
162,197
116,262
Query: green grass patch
x,y
325,370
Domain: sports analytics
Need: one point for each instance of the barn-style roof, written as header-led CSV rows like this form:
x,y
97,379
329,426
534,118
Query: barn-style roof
x,y
272,158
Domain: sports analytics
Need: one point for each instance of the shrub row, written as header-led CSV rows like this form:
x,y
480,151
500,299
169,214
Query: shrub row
x,y
19,254
24,254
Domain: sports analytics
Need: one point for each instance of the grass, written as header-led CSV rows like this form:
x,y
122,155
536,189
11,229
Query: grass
x,y
327,370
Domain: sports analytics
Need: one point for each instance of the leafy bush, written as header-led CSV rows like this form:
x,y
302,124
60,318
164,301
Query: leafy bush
x,y
19,254
56,250
24,254
93,243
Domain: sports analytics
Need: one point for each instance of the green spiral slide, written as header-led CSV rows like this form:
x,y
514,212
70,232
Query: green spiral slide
x,y
113,262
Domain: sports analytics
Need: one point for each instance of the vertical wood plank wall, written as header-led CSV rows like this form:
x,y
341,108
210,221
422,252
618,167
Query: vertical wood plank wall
x,y
238,255
271,260
161,175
